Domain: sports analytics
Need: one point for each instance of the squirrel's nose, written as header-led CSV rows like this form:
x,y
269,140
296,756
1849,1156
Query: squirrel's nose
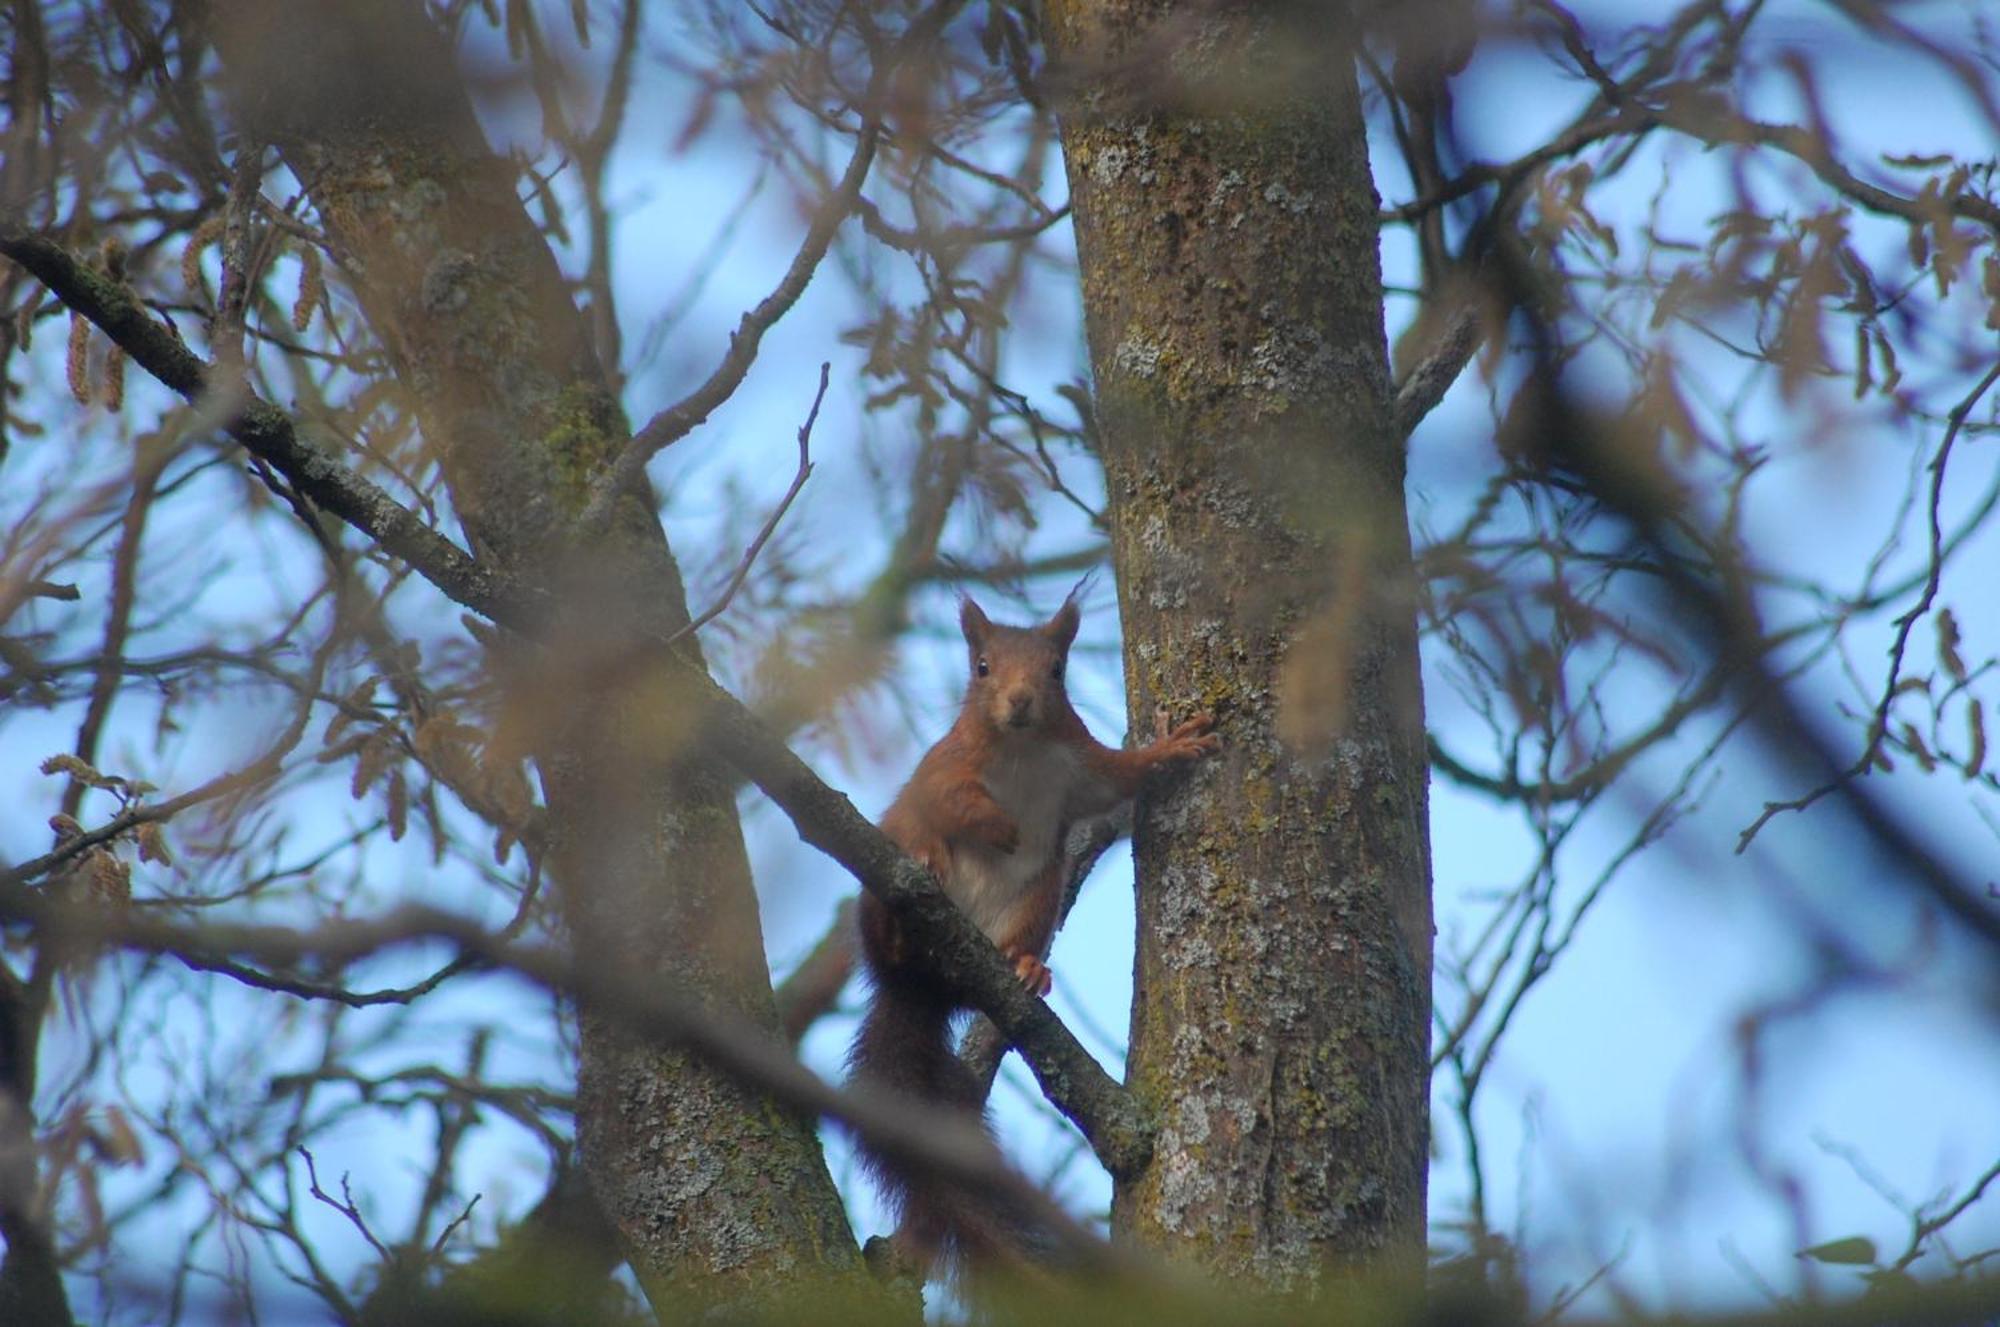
x,y
1020,705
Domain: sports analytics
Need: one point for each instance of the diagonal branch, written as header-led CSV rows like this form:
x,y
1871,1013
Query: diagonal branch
x,y
1109,1117
266,432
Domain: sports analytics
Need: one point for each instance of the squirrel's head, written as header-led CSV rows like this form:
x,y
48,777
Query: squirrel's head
x,y
1017,672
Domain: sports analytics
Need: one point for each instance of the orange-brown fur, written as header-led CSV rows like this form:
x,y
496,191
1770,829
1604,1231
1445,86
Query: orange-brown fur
x,y
987,811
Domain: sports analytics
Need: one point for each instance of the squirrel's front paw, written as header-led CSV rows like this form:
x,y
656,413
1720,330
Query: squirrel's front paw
x,y
1188,741
934,857
1034,974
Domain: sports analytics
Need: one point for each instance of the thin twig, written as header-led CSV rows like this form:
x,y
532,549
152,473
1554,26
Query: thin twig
x,y
742,572
457,1221
343,1204
1905,624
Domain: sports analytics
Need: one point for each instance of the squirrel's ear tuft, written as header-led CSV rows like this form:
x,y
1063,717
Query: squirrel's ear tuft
x,y
972,621
1062,627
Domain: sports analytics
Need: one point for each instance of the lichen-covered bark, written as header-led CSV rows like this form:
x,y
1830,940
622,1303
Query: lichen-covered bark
x,y
1226,228
718,1196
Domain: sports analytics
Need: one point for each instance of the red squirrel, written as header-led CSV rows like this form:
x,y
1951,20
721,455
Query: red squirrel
x,y
987,811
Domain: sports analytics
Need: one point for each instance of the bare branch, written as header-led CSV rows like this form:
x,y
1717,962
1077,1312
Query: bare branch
x,y
742,572
1432,376
678,420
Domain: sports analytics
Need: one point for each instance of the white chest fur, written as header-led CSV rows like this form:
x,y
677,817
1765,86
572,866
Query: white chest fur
x,y
1032,779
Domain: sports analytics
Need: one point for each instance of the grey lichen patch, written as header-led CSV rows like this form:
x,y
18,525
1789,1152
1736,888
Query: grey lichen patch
x,y
1184,1172
1195,952
1137,355
446,281
1288,364
1298,203
415,209
416,199
1234,504
1183,891
1108,163
1354,759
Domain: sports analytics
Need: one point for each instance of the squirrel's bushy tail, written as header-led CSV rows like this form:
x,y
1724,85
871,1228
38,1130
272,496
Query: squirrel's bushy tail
x,y
904,1045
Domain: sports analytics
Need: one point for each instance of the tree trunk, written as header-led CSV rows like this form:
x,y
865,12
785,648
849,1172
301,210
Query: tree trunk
x,y
718,1196
1226,229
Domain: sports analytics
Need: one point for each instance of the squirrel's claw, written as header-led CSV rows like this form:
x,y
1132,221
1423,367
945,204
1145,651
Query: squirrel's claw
x,y
1034,974
1187,741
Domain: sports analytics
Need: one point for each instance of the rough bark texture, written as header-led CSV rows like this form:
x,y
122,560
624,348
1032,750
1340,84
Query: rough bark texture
x,y
718,1195
1226,227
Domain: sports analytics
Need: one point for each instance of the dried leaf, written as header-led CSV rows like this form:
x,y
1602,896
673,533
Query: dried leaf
x,y
399,805
427,802
369,763
1892,373
344,748
78,364
92,1204
118,1141
207,233
443,743
1975,723
1913,741
1947,630
76,768
1314,694
153,844
520,24
312,289
110,876
360,698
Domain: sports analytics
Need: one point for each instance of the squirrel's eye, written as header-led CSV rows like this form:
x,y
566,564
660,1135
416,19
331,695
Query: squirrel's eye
x,y
981,666
1055,670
